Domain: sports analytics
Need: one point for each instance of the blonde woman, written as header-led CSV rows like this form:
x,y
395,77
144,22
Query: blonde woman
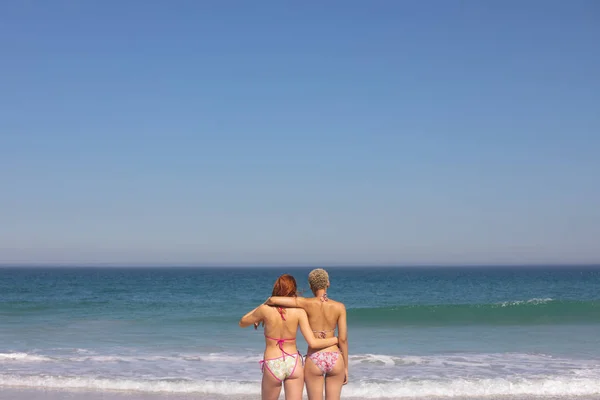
x,y
324,368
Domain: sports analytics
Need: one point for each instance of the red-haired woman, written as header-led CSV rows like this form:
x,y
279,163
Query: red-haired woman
x,y
281,357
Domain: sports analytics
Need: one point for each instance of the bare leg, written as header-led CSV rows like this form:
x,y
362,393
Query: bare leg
x,y
270,387
294,384
313,376
335,380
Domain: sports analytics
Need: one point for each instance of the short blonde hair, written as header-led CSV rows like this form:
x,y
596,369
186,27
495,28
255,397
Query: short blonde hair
x,y
318,279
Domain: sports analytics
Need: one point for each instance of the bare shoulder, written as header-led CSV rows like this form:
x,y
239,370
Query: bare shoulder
x,y
337,304
264,309
299,312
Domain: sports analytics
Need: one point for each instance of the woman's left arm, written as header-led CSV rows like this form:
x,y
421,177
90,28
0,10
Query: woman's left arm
x,y
253,317
289,302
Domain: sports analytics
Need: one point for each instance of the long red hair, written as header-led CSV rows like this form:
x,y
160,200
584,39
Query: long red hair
x,y
285,286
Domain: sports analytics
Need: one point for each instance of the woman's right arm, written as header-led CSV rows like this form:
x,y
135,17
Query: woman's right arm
x,y
289,302
343,337
253,317
310,338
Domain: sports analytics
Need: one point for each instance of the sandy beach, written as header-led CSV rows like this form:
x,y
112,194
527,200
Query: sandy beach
x,y
29,394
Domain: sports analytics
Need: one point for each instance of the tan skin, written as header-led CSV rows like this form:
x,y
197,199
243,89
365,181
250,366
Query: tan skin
x,y
322,315
276,327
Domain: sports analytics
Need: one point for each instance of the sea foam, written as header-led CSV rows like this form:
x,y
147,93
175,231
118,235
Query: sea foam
x,y
466,388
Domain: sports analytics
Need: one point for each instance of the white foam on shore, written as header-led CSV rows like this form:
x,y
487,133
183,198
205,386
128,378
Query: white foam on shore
x,y
209,357
531,363
23,357
381,359
130,385
465,388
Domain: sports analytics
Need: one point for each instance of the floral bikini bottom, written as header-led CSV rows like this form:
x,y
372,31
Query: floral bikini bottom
x,y
281,367
325,360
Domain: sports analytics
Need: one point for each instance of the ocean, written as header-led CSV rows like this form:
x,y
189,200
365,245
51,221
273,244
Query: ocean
x,y
155,333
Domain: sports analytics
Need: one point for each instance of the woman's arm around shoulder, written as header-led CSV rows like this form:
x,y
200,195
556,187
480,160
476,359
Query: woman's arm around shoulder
x,y
289,302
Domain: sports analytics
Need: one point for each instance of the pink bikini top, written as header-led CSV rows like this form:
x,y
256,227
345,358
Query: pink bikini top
x,y
280,341
323,334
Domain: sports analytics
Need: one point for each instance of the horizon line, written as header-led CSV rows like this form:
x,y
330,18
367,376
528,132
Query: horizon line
x,y
294,265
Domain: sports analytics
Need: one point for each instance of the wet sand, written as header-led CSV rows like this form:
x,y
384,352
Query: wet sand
x,y
38,394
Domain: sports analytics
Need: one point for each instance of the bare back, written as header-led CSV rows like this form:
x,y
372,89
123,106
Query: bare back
x,y
277,328
323,317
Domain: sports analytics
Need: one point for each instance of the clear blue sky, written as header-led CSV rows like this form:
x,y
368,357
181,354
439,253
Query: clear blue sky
x,y
305,132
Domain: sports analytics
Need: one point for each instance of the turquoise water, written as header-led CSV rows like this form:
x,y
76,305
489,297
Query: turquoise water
x,y
414,332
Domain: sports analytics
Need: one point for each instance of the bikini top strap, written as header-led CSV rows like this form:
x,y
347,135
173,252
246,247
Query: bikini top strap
x,y
323,333
280,340
280,343
281,312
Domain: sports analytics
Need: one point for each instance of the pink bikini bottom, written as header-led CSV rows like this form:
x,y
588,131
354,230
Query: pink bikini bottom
x,y
325,360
